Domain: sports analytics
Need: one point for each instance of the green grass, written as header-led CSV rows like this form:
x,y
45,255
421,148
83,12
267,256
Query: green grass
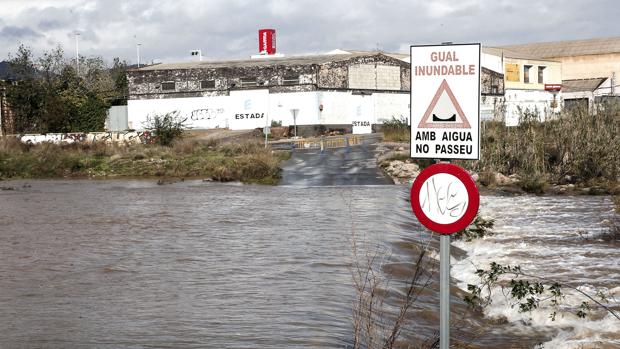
x,y
247,162
396,130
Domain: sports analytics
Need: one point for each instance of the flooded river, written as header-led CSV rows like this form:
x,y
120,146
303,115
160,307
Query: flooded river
x,y
132,264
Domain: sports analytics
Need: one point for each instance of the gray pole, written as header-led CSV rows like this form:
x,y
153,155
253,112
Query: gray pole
x,y
294,112
444,292
266,127
444,284
138,53
77,54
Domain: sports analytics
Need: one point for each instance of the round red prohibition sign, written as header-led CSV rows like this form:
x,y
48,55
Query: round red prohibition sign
x,y
445,198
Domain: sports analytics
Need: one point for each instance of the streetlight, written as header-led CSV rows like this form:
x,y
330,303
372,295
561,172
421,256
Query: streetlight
x,y
138,53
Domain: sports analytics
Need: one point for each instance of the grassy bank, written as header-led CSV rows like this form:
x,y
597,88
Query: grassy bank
x,y
247,162
578,147
396,130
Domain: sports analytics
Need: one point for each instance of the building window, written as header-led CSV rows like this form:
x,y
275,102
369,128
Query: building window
x,y
290,80
207,84
248,82
526,73
494,89
168,86
541,73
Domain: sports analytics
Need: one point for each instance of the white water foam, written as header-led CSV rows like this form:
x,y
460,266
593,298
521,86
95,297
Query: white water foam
x,y
545,236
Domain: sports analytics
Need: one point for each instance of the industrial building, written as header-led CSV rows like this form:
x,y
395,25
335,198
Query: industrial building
x,y
581,59
351,90
331,90
531,85
589,67
345,90
585,93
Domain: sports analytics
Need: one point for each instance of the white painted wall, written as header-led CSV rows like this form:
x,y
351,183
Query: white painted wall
x,y
519,101
361,113
388,105
247,109
335,107
492,62
492,108
256,108
201,112
307,104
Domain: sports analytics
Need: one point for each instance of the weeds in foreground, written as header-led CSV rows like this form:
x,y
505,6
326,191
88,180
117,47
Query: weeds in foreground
x,y
378,316
479,228
396,130
576,145
529,292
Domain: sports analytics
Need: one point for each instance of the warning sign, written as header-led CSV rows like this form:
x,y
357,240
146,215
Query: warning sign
x,y
445,111
445,101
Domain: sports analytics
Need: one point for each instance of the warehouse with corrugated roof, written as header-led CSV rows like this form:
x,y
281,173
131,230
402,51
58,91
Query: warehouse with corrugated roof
x,y
590,68
338,90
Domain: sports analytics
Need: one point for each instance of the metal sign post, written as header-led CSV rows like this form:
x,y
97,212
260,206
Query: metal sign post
x,y
445,124
445,199
444,292
294,112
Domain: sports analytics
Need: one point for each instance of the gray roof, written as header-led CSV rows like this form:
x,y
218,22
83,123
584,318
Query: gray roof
x,y
500,51
569,48
582,85
395,55
262,62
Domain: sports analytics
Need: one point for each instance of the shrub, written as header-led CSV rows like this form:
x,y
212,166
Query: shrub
x,y
577,142
396,130
535,184
167,128
478,229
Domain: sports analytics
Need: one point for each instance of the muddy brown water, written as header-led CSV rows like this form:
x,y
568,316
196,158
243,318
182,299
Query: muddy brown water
x,y
132,264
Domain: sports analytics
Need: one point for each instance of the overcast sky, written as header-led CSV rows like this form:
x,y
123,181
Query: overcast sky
x,y
168,29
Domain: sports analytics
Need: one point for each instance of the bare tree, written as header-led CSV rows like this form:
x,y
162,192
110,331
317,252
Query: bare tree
x,y
380,316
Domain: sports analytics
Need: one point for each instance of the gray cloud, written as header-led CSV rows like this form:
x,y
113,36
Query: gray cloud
x,y
20,33
49,24
169,29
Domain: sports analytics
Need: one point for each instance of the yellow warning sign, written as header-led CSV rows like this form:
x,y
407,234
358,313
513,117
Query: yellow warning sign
x,y
444,111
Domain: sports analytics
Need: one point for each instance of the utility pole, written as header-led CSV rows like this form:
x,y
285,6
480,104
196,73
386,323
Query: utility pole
x,y
77,53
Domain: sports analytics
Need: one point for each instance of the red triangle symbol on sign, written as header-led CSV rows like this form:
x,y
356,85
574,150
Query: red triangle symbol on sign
x,y
444,111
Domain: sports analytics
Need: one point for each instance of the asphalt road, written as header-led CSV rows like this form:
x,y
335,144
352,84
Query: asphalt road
x,y
355,165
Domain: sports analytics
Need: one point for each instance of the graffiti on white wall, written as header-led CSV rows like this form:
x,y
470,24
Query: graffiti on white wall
x,y
206,114
124,137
